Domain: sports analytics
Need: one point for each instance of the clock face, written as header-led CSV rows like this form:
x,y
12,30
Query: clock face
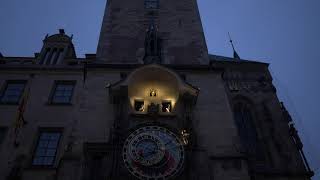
x,y
153,152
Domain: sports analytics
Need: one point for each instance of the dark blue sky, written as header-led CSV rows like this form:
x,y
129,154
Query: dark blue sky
x,y
285,33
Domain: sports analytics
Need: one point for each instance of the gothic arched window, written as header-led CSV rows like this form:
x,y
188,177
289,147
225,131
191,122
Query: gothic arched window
x,y
246,128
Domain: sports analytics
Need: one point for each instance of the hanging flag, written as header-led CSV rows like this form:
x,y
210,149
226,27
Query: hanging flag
x,y
20,120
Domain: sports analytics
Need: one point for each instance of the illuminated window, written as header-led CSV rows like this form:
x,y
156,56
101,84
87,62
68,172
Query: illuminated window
x,y
151,4
46,149
62,92
139,105
166,106
12,92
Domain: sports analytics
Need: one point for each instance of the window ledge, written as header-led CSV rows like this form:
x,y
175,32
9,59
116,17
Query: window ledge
x,y
58,104
172,115
41,167
8,104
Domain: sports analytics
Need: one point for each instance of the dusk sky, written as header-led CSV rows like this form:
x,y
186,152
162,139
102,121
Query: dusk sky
x,y
284,33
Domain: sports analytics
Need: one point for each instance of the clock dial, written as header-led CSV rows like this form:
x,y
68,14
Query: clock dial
x,y
153,152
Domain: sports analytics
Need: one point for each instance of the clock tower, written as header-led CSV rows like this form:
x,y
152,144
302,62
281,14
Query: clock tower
x,y
125,24
178,112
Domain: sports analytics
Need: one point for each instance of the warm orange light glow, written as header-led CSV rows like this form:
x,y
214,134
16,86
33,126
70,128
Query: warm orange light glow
x,y
168,108
153,93
141,108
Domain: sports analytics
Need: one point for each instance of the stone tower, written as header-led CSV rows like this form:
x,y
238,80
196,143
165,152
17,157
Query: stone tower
x,y
125,24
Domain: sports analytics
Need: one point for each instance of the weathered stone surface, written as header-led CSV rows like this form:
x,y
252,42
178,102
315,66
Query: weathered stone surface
x,y
179,25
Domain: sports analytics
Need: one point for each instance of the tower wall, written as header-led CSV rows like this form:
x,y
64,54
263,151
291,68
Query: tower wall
x,y
179,25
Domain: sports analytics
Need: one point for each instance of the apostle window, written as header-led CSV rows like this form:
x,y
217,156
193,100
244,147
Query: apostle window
x,y
62,92
166,106
151,4
46,150
139,105
12,92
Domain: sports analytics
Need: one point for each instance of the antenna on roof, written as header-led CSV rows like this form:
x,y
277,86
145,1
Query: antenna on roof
x,y
235,54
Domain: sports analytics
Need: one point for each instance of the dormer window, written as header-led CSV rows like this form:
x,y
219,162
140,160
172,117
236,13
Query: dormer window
x,y
56,48
52,56
45,56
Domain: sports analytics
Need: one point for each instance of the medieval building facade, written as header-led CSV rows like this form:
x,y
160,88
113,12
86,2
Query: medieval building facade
x,y
150,104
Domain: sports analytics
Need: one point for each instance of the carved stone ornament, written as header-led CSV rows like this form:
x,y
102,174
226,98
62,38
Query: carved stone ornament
x,y
249,86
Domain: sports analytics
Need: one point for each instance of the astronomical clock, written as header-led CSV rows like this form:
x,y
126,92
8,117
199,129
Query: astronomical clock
x,y
153,152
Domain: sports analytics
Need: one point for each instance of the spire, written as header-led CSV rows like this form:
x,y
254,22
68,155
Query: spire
x,y
235,54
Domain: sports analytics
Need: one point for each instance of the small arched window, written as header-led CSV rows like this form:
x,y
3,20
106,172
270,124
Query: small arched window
x,y
244,121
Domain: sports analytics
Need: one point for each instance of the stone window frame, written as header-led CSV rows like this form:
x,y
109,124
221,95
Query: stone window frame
x,y
42,130
4,90
259,153
245,123
54,90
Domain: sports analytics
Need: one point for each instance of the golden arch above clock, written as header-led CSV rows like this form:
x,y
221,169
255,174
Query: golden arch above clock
x,y
153,152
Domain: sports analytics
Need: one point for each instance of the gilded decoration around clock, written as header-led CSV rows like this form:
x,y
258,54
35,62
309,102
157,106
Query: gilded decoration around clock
x,y
153,152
